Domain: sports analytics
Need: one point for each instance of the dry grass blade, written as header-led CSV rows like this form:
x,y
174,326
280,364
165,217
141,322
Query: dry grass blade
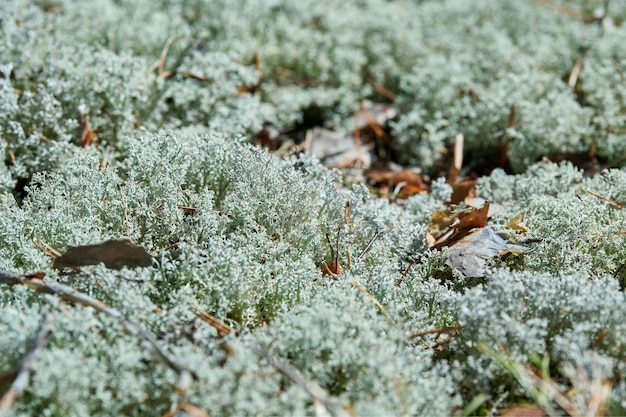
x,y
572,81
375,301
160,63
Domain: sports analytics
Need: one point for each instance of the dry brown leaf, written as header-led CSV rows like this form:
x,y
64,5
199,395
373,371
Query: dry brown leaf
x,y
451,226
517,223
462,190
410,182
440,221
469,255
473,218
112,253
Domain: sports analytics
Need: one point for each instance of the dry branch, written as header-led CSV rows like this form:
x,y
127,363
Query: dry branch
x,y
23,373
146,340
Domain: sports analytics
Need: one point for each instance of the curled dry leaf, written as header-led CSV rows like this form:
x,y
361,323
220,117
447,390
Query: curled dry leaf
x,y
449,226
470,254
112,253
407,182
517,223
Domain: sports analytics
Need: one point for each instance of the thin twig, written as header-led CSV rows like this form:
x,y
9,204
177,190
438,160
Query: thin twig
x,y
608,200
23,373
46,248
309,386
379,231
222,328
146,340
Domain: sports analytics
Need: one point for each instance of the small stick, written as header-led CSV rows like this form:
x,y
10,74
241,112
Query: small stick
x,y
611,202
23,374
379,231
44,138
373,124
53,253
317,392
458,151
222,328
146,340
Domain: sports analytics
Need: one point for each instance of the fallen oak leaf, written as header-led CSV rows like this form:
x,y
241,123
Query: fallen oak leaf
x,y
459,224
470,254
472,219
112,253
